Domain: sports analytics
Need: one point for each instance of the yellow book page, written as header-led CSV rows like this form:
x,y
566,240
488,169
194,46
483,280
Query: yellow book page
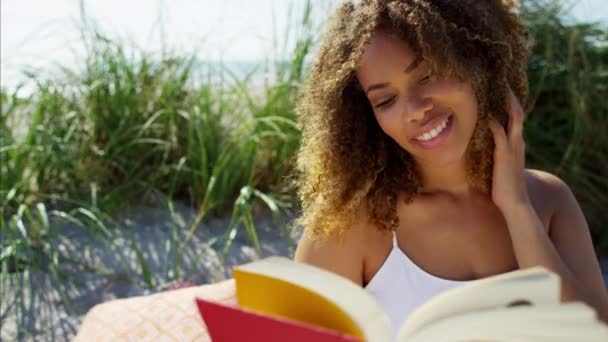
x,y
280,298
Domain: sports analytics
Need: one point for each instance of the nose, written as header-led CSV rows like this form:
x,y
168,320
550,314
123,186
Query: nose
x,y
416,106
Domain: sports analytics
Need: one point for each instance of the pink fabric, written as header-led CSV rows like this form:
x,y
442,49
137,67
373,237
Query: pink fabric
x,y
163,316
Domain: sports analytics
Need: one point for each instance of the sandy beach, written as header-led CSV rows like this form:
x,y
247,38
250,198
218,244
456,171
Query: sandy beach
x,y
55,306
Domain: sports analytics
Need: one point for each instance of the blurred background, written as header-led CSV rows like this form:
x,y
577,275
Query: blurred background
x,y
148,143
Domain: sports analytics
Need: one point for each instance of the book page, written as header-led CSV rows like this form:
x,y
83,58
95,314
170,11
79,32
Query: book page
x,y
302,292
533,285
552,322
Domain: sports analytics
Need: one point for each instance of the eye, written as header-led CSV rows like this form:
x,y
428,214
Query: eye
x,y
427,78
386,103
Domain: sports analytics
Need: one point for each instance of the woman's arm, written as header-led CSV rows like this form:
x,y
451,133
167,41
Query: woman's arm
x,y
342,255
567,250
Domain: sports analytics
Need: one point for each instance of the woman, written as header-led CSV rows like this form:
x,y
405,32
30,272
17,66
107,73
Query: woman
x,y
411,169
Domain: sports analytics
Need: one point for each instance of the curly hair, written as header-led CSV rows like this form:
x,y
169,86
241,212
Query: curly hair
x,y
346,162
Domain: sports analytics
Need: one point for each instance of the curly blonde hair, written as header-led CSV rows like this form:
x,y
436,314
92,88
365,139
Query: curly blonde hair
x,y
346,162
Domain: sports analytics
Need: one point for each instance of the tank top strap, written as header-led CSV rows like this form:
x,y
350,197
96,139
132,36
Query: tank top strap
x,y
395,245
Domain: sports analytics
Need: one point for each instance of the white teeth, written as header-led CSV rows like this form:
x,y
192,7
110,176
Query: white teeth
x,y
433,133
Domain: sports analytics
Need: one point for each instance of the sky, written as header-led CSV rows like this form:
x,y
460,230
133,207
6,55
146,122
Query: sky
x,y
39,33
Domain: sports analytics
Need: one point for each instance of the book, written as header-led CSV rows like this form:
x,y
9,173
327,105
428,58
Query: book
x,y
284,300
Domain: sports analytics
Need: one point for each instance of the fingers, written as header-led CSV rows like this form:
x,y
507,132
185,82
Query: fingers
x,y
516,118
500,137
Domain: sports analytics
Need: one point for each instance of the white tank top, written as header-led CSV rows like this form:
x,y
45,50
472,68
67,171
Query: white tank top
x,y
400,286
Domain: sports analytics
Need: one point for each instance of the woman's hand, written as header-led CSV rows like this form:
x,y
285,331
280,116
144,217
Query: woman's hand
x,y
508,182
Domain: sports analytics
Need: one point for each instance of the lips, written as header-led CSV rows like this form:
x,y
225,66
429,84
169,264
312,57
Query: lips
x,y
434,132
431,125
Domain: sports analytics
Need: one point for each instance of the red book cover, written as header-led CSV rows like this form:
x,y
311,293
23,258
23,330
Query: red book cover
x,y
227,323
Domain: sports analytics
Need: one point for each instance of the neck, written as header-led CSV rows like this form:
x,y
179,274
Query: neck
x,y
448,179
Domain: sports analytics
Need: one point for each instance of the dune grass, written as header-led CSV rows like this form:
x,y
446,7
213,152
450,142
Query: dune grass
x,y
94,139
566,131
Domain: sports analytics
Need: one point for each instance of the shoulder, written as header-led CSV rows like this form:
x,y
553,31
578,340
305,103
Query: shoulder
x,y
545,184
343,253
548,191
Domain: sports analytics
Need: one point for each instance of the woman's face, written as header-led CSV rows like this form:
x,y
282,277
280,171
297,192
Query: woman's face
x,y
432,118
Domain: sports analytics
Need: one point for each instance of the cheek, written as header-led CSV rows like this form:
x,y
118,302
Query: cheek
x,y
461,98
469,106
467,97
392,126
387,120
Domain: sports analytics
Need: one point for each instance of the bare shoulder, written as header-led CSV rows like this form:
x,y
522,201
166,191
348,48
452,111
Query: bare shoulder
x,y
548,192
342,254
546,180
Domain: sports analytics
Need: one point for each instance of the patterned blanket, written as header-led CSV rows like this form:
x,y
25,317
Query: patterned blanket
x,y
165,316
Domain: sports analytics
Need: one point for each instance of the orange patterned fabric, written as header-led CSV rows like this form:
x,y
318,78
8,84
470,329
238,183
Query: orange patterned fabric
x,y
166,316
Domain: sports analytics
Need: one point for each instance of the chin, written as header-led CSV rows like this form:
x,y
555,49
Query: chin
x,y
439,157
444,160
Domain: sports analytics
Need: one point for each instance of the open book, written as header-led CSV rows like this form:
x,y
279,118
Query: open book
x,y
283,300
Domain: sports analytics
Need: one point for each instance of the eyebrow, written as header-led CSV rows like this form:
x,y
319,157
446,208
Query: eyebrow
x,y
407,70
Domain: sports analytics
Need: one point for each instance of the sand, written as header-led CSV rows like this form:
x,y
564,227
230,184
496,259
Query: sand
x,y
48,308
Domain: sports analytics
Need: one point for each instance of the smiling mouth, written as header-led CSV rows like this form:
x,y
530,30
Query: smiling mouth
x,y
435,131
436,136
